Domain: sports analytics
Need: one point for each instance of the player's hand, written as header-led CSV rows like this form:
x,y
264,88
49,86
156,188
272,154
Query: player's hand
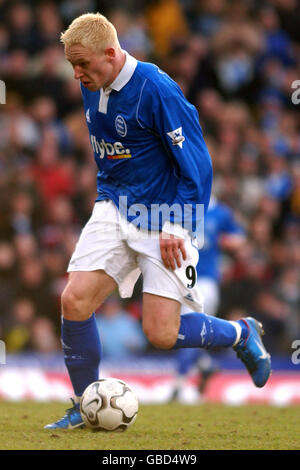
x,y
172,250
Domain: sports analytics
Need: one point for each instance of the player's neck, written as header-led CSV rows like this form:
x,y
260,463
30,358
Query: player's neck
x,y
119,64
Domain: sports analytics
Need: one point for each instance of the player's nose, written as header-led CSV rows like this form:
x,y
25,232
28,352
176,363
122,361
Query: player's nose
x,y
77,73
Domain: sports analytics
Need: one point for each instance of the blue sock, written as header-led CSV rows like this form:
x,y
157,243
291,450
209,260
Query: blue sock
x,y
198,330
186,359
82,352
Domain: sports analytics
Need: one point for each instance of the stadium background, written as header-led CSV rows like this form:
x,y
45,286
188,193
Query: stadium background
x,y
236,62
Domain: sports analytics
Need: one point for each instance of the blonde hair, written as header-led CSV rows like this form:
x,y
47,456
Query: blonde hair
x,y
91,30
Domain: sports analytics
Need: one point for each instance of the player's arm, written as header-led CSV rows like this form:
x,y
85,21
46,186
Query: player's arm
x,y
178,125
164,110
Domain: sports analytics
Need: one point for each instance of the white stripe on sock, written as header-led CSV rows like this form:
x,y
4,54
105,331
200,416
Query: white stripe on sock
x,y
182,337
238,328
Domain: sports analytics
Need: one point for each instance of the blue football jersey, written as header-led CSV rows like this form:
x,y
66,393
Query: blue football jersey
x,y
219,220
147,142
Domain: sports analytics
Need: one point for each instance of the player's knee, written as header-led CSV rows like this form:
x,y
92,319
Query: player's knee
x,y
72,306
68,302
161,320
160,338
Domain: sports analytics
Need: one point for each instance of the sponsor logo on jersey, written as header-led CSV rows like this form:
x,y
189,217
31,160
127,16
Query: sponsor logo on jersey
x,y
121,126
112,150
177,137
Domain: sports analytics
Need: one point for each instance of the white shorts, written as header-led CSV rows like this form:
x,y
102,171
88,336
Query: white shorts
x,y
109,242
211,293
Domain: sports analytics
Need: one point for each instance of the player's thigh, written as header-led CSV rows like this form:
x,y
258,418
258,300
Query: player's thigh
x,y
84,292
100,263
180,284
161,320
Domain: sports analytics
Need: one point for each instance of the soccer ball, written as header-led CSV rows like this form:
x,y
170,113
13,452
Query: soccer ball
x,y
108,405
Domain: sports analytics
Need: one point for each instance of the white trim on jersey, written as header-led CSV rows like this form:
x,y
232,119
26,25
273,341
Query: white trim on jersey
x,y
126,73
103,101
120,81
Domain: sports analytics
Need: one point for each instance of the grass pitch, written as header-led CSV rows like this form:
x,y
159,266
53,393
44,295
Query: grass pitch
x,y
157,427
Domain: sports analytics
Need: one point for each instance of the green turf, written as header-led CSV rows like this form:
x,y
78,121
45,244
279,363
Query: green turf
x,y
172,426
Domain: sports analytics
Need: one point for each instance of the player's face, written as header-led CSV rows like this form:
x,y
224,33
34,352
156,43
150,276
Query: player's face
x,y
93,69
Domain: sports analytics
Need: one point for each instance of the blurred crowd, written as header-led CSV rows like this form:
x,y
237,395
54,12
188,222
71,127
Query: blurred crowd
x,y
237,61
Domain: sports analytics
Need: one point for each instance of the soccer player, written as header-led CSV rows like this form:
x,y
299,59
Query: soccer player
x,y
150,152
222,231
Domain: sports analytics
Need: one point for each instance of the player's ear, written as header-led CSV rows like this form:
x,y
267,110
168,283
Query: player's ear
x,y
110,52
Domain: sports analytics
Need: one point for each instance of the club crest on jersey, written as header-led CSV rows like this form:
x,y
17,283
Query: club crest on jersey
x,y
121,126
177,137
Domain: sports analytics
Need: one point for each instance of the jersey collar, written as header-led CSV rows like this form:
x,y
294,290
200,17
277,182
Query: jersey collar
x,y
125,75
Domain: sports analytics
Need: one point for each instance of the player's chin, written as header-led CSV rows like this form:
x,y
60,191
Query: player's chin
x,y
91,86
